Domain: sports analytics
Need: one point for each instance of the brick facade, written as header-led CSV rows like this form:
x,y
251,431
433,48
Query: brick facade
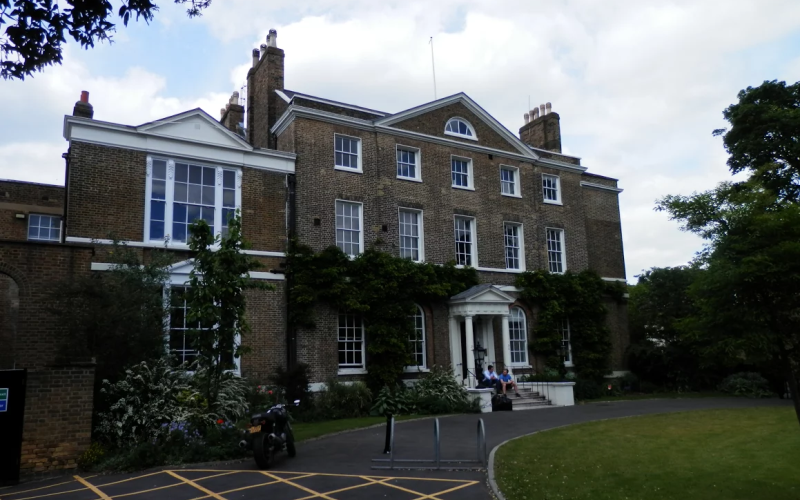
x,y
26,198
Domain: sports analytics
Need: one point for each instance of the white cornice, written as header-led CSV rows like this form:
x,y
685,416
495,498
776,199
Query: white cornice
x,y
256,275
592,185
172,246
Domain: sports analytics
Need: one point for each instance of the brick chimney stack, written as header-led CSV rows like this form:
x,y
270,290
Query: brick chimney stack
x,y
263,104
233,115
83,108
542,129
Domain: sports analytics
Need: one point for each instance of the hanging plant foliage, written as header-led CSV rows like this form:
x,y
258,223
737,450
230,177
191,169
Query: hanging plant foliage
x,y
578,298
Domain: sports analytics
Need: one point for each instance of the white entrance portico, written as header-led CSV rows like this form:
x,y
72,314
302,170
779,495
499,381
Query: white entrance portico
x,y
475,309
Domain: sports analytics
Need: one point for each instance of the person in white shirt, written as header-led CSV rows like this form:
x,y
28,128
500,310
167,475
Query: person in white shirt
x,y
490,378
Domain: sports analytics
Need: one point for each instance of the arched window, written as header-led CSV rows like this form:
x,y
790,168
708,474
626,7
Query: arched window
x,y
518,335
417,339
460,128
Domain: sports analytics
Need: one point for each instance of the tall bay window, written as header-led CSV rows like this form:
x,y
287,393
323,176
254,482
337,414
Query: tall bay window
x,y
466,254
566,342
417,339
349,236
517,334
556,260
351,341
512,239
179,193
411,235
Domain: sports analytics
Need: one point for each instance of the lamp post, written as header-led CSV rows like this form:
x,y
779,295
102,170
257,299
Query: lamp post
x,y
480,354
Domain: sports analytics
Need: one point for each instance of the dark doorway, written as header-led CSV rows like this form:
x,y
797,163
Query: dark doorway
x,y
12,413
9,311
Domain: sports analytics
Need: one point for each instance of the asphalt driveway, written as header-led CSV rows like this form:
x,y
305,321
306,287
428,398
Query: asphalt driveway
x,y
339,467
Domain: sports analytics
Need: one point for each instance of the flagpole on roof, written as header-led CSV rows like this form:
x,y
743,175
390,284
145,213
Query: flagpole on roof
x,y
433,66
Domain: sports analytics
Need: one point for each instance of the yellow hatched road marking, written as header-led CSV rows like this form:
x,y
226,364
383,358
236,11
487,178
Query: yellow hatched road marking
x,y
195,485
345,475
314,494
370,483
423,496
43,487
249,487
130,479
170,485
92,487
448,491
51,494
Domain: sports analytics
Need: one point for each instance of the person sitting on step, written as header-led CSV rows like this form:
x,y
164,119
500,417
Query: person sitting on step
x,y
507,381
490,379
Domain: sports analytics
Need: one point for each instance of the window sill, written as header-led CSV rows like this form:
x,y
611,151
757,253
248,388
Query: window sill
x,y
470,137
569,364
352,371
464,188
410,179
512,366
416,369
511,195
348,169
499,270
551,202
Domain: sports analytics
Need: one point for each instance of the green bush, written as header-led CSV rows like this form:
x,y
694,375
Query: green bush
x,y
435,393
747,384
587,389
339,400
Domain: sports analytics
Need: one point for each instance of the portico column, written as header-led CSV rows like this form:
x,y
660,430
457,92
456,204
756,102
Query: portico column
x,y
470,355
455,350
506,343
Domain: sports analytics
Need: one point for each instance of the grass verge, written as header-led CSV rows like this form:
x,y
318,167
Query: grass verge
x,y
710,455
309,430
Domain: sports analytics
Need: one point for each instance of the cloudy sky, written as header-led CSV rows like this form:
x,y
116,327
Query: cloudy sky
x,y
639,85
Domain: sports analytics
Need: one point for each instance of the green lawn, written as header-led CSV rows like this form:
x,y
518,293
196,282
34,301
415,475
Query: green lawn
x,y
742,454
659,395
308,430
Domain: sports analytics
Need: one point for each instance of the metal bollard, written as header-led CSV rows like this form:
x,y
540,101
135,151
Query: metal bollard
x,y
387,447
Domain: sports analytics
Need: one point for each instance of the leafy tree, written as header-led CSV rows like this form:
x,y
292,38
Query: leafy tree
x,y
216,300
36,29
748,298
659,304
764,137
116,317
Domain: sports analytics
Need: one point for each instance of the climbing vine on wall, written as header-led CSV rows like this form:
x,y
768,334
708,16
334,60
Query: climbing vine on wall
x,y
380,287
578,297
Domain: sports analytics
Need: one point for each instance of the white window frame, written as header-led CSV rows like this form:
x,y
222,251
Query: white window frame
x,y
524,363
569,363
169,198
360,169
521,239
182,280
473,240
417,160
420,231
563,249
360,231
517,181
473,137
557,179
351,369
424,343
470,177
49,217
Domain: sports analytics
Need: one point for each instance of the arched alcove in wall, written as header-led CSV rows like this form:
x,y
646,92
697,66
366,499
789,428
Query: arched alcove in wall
x,y
9,319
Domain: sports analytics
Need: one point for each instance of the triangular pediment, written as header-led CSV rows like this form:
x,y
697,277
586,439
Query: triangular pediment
x,y
197,126
183,267
431,119
483,294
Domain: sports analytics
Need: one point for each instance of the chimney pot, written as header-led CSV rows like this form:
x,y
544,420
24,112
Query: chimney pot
x,y
527,118
272,38
256,54
534,113
85,96
82,107
263,49
548,107
221,112
542,112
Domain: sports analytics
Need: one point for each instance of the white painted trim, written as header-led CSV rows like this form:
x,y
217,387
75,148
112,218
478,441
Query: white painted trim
x,y
417,160
360,169
474,242
517,181
521,238
416,369
260,275
351,371
173,246
497,270
509,288
469,104
603,187
622,280
557,201
361,219
283,96
337,104
421,230
563,248
547,151
473,137
554,203
470,173
525,363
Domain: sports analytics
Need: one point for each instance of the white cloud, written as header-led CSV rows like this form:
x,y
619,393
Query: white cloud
x,y
639,85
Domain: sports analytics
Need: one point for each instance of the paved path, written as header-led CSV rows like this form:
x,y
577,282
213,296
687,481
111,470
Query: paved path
x,y
338,467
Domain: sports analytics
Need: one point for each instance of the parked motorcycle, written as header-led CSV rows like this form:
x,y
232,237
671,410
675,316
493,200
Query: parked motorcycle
x,y
269,434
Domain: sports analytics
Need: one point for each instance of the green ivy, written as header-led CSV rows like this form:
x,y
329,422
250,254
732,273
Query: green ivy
x,y
380,287
578,297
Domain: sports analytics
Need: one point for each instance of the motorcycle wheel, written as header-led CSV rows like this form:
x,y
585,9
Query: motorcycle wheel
x,y
261,450
290,449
